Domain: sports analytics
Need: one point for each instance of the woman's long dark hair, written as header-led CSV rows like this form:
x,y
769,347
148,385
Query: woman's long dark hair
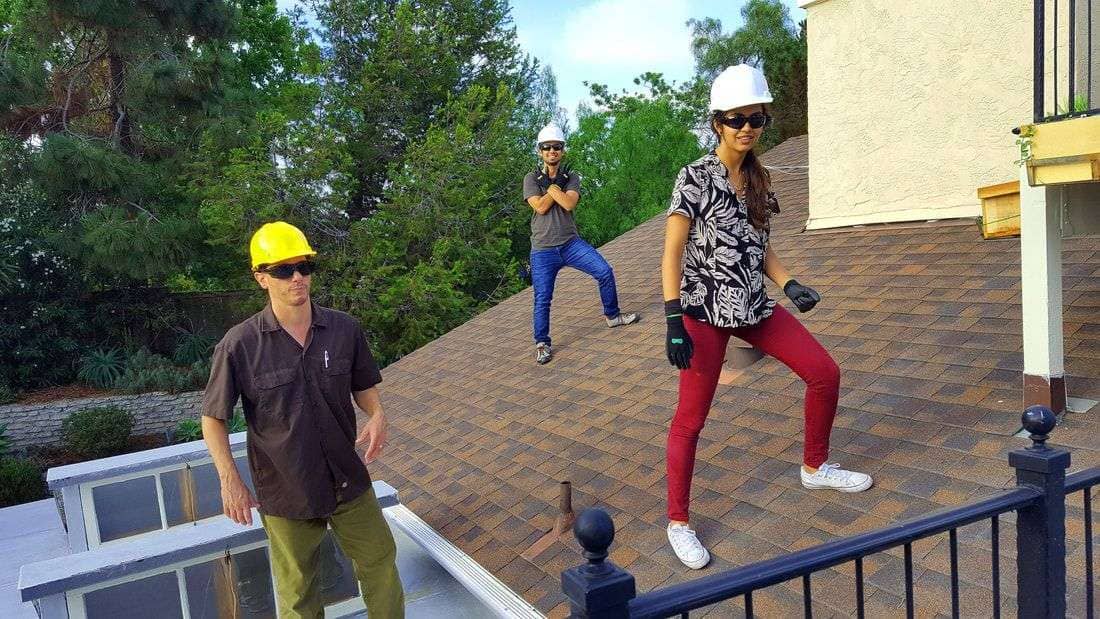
x,y
758,184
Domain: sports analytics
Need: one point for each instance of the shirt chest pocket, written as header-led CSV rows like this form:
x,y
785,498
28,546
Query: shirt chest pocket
x,y
275,391
337,375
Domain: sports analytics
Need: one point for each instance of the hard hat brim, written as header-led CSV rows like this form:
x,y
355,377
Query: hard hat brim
x,y
264,265
732,104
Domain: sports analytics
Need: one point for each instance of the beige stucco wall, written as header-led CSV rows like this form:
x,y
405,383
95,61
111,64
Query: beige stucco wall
x,y
911,105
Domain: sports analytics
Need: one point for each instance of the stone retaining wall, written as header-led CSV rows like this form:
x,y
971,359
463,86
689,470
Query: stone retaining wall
x,y
40,424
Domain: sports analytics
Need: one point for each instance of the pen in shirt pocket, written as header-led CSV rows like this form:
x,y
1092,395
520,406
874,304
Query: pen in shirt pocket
x,y
326,359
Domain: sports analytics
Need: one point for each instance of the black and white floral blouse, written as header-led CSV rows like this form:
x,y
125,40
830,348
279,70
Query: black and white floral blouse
x,y
723,263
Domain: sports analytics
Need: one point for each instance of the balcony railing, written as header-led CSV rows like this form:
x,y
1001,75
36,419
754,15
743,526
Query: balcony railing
x,y
602,589
1064,60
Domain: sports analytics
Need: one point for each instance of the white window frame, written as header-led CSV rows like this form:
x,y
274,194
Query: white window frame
x,y
75,597
78,610
91,521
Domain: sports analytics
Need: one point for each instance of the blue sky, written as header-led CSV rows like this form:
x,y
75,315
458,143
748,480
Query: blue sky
x,y
613,41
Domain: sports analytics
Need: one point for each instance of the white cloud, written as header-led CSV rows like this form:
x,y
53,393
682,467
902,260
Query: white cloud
x,y
635,35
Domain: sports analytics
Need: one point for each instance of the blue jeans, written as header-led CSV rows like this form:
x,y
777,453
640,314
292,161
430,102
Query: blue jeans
x,y
545,264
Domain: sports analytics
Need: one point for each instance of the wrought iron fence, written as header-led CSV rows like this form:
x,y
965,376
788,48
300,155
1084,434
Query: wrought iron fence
x,y
1068,60
602,589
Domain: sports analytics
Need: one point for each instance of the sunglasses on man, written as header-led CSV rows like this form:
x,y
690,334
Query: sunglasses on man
x,y
553,147
754,120
286,271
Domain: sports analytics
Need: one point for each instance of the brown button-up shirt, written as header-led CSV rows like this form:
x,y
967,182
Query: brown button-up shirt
x,y
297,403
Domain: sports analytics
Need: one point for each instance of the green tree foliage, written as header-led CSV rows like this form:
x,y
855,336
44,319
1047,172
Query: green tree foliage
x,y
41,323
105,108
143,141
769,40
440,247
391,67
629,155
5,443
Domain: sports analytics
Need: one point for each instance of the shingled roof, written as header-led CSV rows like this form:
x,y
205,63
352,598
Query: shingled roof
x,y
924,320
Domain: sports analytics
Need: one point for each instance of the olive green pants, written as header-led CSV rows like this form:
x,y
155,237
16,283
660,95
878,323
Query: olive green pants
x,y
364,537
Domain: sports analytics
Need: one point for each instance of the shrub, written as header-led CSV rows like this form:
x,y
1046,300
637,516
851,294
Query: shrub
x,y
7,396
187,430
5,444
192,348
236,423
21,481
101,368
98,432
146,371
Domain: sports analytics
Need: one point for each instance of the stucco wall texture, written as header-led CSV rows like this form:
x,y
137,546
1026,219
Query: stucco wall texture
x,y
911,106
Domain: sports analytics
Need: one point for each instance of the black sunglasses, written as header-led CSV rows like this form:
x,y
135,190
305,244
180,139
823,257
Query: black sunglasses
x,y
286,271
555,147
755,120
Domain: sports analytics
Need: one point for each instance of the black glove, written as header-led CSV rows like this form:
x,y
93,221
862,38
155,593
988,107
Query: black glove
x,y
564,174
804,297
678,344
542,179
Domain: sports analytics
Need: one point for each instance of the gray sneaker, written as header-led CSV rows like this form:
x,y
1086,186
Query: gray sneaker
x,y
543,353
621,319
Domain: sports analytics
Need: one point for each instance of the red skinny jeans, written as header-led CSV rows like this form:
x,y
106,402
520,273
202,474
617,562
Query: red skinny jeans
x,y
781,336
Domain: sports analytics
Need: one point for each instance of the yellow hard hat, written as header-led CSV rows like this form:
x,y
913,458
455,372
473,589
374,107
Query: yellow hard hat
x,y
277,241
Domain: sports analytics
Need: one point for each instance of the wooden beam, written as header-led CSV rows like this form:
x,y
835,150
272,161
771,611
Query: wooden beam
x,y
1062,173
1001,189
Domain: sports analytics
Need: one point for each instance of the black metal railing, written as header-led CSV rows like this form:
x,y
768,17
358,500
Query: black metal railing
x,y
602,589
1083,482
1071,87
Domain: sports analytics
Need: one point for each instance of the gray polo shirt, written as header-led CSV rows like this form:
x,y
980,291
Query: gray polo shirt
x,y
556,227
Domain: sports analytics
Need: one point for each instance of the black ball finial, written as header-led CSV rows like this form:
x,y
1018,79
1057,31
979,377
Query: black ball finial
x,y
595,531
1039,421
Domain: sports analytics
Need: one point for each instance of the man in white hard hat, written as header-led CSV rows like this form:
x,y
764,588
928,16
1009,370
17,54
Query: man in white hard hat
x,y
553,191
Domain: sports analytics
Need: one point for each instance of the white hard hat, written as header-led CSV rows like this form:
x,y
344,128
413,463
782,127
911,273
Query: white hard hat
x,y
739,86
550,133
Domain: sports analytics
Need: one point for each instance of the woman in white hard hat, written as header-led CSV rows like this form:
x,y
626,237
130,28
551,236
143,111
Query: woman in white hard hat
x,y
720,211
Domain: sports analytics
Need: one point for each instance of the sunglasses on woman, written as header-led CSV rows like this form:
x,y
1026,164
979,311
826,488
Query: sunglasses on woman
x,y
554,147
754,120
286,271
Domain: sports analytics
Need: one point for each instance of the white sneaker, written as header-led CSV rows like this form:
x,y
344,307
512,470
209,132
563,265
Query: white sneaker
x,y
832,477
687,547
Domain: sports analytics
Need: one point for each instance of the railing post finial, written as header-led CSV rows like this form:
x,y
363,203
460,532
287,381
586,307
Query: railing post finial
x,y
595,531
1039,421
600,588
1041,526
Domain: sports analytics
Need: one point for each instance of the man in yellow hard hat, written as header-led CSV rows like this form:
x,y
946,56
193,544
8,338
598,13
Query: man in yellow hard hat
x,y
296,366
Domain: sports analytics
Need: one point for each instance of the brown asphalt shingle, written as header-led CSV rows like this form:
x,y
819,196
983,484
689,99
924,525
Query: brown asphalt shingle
x,y
924,320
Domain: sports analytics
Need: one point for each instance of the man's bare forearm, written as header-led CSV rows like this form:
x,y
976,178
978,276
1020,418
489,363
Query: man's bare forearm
x,y
566,199
369,401
541,204
216,435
